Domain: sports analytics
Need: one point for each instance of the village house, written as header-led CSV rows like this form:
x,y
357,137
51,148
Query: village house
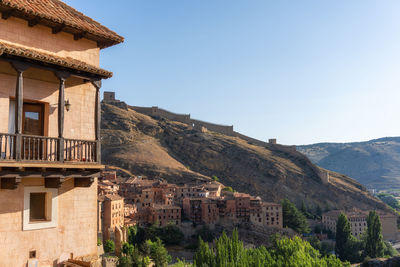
x,y
164,215
106,187
201,210
269,214
161,203
50,154
358,223
113,216
232,208
108,175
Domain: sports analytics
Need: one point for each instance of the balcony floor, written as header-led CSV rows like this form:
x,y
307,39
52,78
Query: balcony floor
x,y
56,165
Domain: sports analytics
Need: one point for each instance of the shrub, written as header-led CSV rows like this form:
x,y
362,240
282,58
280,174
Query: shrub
x,y
109,246
228,188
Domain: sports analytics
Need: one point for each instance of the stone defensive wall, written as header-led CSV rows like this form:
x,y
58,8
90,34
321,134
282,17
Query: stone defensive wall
x,y
250,139
223,129
162,113
109,97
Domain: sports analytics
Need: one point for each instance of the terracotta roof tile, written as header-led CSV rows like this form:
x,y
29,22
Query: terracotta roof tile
x,y
14,50
55,12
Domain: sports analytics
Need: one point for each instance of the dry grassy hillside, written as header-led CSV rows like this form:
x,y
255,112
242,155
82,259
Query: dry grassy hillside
x,y
171,150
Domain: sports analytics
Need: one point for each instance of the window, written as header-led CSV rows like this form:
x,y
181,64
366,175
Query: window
x,y
40,208
37,207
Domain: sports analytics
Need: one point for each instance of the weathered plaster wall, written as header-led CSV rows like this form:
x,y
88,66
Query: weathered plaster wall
x,y
15,30
76,231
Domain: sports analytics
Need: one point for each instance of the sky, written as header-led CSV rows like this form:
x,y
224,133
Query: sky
x,y
300,71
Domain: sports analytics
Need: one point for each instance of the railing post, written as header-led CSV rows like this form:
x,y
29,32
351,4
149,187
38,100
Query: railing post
x,y
97,120
19,103
62,76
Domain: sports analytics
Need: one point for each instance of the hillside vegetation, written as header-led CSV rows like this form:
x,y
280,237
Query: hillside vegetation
x,y
159,148
374,163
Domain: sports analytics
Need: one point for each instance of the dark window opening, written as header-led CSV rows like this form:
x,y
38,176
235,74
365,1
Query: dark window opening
x,y
37,207
32,254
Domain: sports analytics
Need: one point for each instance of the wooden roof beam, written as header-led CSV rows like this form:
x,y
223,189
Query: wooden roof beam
x,y
6,14
33,22
57,29
78,36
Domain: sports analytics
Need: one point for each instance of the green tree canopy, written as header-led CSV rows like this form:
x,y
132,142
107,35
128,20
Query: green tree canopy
x,y
109,246
343,233
293,218
230,252
347,247
158,253
390,200
374,246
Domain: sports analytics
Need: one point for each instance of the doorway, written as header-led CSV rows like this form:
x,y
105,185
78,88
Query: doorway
x,y
32,119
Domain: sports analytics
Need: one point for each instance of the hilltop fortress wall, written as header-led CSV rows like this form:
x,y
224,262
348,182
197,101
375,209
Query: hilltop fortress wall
x,y
162,113
202,126
222,129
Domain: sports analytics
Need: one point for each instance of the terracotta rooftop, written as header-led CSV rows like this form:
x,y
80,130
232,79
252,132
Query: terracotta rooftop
x,y
113,197
60,17
66,62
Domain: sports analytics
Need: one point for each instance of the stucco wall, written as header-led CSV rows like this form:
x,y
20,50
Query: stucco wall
x,y
40,37
75,233
78,122
389,227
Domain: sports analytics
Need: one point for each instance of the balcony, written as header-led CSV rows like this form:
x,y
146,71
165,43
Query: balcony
x,y
42,149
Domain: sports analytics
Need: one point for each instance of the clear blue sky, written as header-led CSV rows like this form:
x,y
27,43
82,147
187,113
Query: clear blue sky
x,y
300,71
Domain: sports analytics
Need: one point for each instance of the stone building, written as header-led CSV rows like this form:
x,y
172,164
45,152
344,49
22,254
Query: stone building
x,y
268,214
113,214
164,215
50,152
358,223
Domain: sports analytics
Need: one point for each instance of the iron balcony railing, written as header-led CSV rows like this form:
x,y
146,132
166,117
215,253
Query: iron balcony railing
x,y
14,147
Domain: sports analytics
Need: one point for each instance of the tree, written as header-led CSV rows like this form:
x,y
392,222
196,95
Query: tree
x,y
347,247
230,252
128,249
374,246
205,233
390,200
170,235
182,263
343,233
158,253
204,256
125,261
293,218
109,246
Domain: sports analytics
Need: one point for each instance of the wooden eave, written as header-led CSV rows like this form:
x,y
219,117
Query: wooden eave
x,y
102,40
51,62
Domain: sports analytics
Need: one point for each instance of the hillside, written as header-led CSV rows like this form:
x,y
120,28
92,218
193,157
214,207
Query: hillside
x,y
174,151
374,163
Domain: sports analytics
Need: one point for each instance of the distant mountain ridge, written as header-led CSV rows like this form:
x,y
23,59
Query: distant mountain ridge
x,y
374,163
